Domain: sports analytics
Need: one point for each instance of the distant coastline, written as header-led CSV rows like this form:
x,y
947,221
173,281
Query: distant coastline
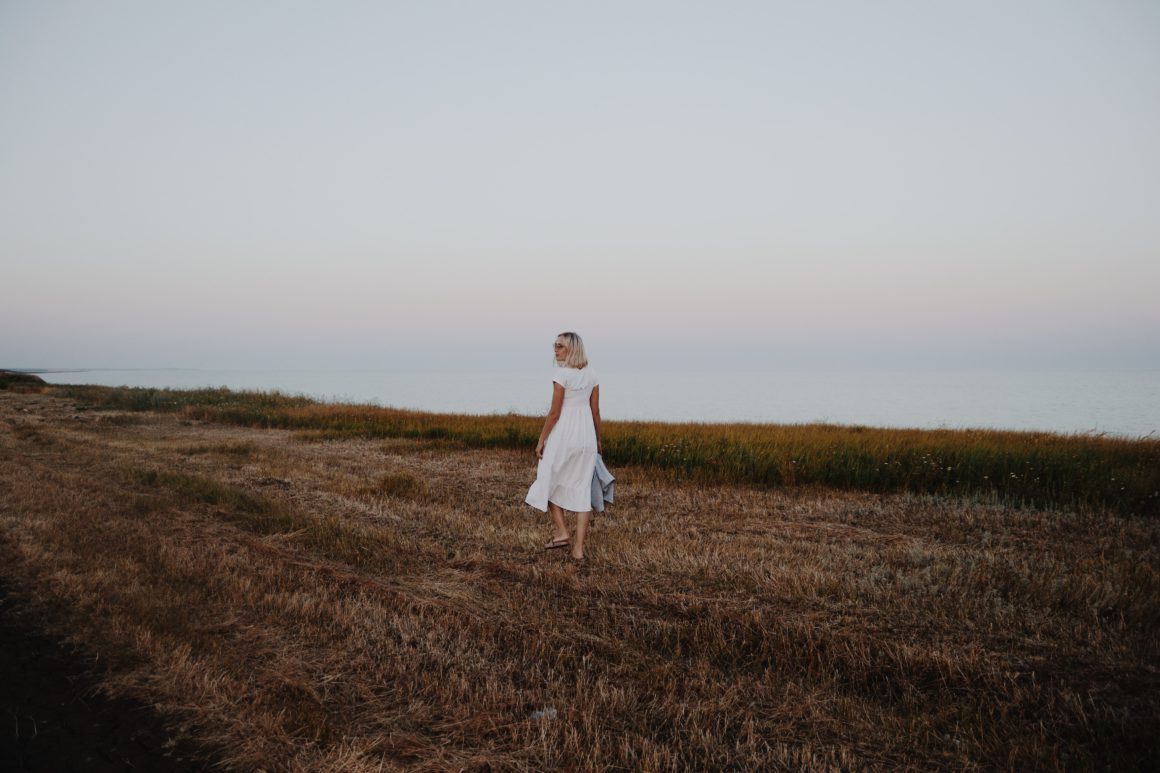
x,y
1123,404
19,377
1019,468
87,370
35,371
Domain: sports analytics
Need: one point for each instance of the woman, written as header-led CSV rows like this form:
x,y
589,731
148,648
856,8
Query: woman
x,y
568,445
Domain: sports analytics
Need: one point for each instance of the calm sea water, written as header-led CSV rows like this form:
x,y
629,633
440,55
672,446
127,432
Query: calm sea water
x,y
1113,403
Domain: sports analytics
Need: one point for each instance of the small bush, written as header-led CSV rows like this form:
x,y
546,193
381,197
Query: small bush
x,y
402,486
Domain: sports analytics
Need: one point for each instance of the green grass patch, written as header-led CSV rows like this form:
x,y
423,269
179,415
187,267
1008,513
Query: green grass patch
x,y
332,537
402,486
253,513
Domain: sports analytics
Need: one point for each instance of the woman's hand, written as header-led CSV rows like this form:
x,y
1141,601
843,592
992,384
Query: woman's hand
x,y
594,404
553,417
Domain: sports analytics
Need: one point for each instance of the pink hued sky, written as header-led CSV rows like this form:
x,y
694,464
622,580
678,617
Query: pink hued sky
x,y
726,185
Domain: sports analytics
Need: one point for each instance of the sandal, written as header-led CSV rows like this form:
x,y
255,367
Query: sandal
x,y
553,544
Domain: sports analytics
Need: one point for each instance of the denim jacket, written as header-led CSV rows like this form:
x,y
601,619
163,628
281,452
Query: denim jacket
x,y
602,486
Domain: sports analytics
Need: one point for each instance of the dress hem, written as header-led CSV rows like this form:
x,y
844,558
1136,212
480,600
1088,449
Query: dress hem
x,y
544,509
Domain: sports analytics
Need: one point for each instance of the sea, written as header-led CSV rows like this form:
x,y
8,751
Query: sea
x,y
1125,404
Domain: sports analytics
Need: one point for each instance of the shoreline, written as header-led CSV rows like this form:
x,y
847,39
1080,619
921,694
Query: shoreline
x,y
1035,469
1117,404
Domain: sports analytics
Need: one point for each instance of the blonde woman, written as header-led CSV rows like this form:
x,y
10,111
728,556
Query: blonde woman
x,y
568,446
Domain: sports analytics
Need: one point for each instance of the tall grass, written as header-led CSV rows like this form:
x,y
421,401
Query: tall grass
x,y
1034,469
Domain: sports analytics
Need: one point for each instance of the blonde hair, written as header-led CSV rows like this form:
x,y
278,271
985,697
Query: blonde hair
x,y
577,357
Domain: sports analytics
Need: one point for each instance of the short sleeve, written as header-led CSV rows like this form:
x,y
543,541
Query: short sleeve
x,y
560,376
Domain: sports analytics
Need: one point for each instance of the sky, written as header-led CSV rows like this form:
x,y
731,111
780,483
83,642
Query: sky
x,y
742,185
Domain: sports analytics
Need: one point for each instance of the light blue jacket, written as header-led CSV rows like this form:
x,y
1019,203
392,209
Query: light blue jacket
x,y
602,486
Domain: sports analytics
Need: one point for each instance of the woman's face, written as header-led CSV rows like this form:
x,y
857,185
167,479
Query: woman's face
x,y
561,349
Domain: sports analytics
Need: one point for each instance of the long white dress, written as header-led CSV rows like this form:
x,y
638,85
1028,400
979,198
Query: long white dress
x,y
564,474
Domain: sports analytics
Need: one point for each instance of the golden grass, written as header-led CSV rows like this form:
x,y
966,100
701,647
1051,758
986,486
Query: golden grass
x,y
1034,469
360,603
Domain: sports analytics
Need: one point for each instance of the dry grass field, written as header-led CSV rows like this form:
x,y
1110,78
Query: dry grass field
x,y
306,602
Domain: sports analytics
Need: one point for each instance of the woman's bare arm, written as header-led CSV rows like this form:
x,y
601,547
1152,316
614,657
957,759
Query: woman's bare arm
x,y
594,402
553,417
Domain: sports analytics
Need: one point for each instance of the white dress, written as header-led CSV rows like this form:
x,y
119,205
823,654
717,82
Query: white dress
x,y
564,474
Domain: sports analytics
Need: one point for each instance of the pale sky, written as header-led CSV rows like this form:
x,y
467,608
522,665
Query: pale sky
x,y
743,185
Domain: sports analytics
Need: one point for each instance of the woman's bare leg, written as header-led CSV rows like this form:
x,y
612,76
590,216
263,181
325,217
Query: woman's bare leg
x,y
558,519
582,521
